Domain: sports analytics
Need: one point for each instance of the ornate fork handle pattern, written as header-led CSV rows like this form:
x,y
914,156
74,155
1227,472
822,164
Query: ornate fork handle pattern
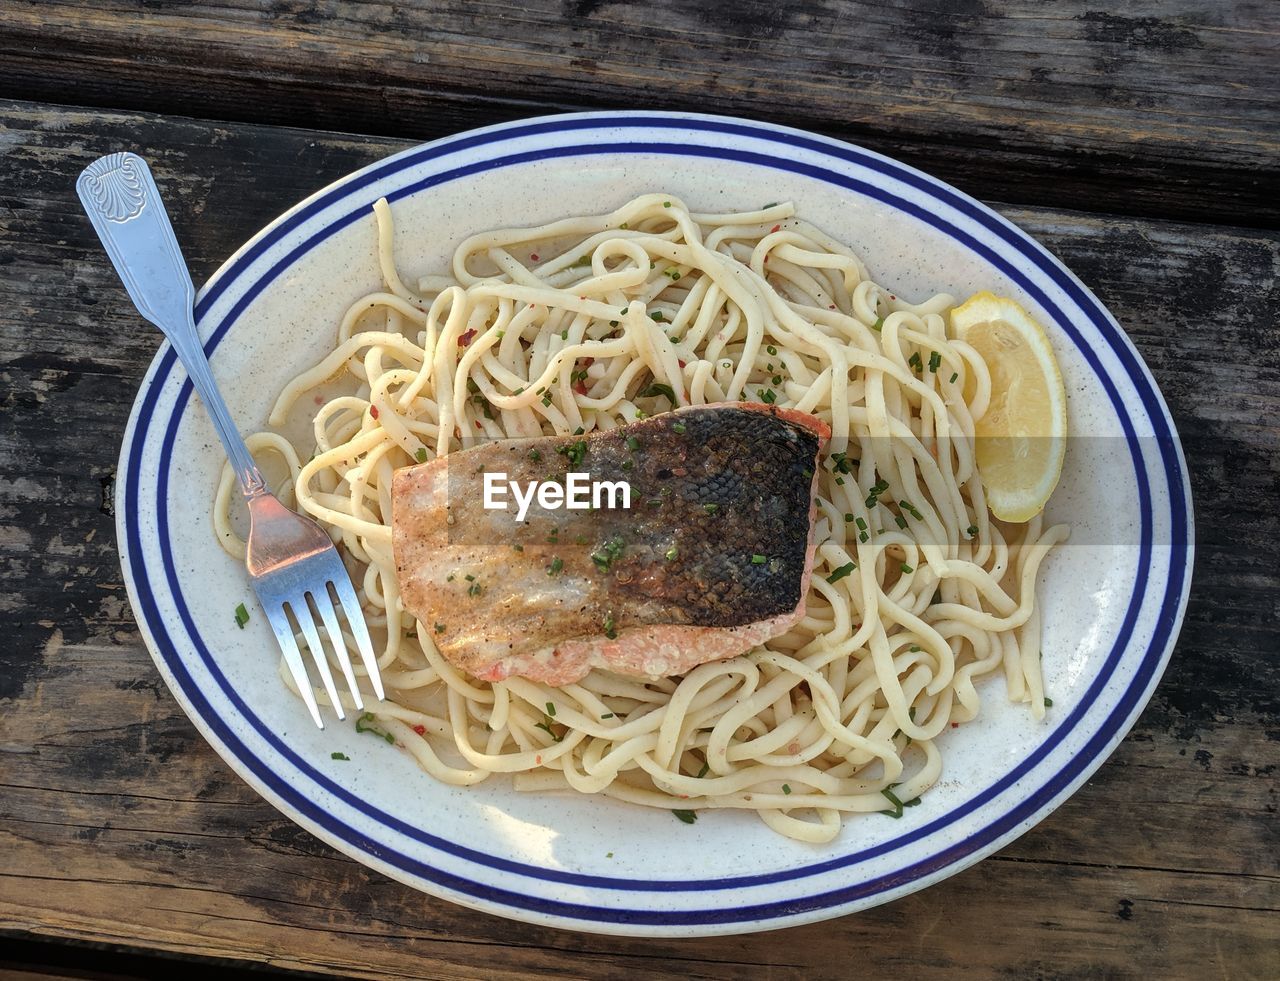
x,y
122,201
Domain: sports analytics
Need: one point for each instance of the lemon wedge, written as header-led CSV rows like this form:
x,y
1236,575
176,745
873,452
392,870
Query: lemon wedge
x,y
1022,437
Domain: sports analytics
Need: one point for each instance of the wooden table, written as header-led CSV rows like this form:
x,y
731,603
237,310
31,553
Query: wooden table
x,y
1140,148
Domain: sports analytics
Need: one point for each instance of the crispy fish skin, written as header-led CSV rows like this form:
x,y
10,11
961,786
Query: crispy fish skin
x,y
712,558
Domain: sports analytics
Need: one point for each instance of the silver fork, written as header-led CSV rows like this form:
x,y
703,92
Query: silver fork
x,y
290,558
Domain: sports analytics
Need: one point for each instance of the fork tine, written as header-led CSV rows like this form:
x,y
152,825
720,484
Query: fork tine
x,y
355,617
325,605
303,615
293,658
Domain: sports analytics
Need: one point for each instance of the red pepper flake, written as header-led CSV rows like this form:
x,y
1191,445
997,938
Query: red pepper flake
x,y
467,338
766,260
420,730
580,387
538,759
533,256
955,725
679,362
318,399
478,426
832,307
582,298
588,362
892,297
774,228
373,411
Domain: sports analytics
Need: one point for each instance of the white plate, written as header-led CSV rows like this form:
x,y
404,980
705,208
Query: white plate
x,y
1113,599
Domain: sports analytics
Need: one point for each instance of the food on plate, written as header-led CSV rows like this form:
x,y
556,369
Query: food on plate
x,y
708,556
1022,437
575,331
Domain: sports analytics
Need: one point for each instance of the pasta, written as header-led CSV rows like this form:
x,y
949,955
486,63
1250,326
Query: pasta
x,y
916,594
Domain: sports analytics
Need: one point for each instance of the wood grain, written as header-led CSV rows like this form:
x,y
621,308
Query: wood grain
x,y
1169,110
119,824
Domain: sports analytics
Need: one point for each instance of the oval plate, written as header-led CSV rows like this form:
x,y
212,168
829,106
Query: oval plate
x,y
1112,599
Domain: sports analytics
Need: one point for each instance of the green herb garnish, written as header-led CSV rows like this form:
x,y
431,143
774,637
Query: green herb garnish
x,y
362,725
758,560
935,360
671,553
657,388
556,565
711,508
421,455
340,756
688,817
844,570
242,616
440,628
678,427
610,627
786,788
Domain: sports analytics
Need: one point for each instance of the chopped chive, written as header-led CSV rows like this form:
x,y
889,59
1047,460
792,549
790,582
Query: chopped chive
x,y
242,616
610,627
666,204
758,560
954,376
564,334
551,709
862,525
671,553
878,324
775,380
900,520
863,537
848,518
340,756
440,628
914,802
907,568
786,788
914,649
633,444
535,456
915,362
362,725
688,817
607,715
623,225
613,323
911,510
657,388
935,360
556,565
973,531
421,455
767,396
656,316
475,589
1048,703
892,798
772,350
624,311
771,204
678,427
546,399
711,508
469,578
546,727
844,570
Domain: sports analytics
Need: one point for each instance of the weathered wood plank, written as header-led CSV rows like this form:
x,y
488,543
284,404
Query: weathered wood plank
x,y
1166,111
119,824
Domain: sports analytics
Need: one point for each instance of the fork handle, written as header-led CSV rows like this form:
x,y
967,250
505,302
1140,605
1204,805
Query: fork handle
x,y
123,202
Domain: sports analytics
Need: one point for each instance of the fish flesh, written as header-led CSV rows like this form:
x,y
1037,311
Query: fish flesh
x,y
712,556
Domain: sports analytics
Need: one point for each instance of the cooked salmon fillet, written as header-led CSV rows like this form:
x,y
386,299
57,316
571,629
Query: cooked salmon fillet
x,y
712,557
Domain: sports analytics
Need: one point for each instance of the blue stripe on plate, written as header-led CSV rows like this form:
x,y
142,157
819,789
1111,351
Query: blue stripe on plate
x,y
1030,250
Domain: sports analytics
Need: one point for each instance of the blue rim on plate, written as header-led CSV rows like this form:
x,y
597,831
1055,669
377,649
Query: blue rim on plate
x,y
145,426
